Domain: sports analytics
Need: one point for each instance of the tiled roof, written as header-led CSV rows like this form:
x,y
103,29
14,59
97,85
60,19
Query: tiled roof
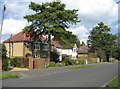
x,y
56,44
20,37
83,49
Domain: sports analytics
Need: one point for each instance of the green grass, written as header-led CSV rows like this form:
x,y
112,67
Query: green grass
x,y
79,66
8,76
114,82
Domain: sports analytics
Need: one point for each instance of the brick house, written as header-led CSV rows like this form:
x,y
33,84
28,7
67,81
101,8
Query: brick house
x,y
19,46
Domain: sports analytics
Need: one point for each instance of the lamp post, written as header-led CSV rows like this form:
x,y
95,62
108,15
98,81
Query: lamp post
x,y
3,10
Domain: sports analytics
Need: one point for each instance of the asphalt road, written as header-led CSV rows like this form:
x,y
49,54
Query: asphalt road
x,y
85,77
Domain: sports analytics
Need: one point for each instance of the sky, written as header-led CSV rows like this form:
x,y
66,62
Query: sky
x,y
91,12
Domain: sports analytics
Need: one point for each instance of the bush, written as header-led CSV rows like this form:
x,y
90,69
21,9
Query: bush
x,y
5,64
4,58
67,61
54,57
61,64
52,64
15,62
80,61
19,62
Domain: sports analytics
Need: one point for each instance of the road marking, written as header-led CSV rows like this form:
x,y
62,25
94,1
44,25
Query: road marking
x,y
109,81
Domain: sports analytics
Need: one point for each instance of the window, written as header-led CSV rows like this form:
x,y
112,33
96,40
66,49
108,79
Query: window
x,y
74,50
36,55
37,46
45,47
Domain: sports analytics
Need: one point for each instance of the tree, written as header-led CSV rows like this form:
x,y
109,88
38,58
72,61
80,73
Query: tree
x,y
101,39
67,39
4,58
50,18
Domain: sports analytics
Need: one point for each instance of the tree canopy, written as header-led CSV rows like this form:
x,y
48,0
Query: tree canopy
x,y
49,17
102,41
67,39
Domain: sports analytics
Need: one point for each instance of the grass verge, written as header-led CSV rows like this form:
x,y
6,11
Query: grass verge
x,y
114,83
79,66
9,76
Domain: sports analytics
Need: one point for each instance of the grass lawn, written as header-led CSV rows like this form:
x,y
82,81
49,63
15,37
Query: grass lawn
x,y
79,66
8,76
114,82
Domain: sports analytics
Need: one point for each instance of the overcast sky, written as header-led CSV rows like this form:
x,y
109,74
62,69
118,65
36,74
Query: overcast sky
x,y
91,12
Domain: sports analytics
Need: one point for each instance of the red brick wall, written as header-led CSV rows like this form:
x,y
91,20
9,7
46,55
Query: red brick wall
x,y
39,63
36,63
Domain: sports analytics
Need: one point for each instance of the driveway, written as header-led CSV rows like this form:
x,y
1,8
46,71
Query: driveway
x,y
85,77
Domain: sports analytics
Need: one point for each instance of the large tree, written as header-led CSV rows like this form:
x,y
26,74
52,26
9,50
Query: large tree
x,y
50,18
101,41
67,39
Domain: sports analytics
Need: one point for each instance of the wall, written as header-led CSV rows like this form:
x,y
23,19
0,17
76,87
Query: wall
x,y
15,50
27,50
67,51
82,55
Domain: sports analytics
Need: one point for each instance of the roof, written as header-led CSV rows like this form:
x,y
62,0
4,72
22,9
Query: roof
x,y
56,44
83,49
20,37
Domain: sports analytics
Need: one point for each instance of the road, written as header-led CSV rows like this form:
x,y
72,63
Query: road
x,y
85,77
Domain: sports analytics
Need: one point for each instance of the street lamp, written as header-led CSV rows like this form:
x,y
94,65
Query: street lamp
x,y
3,11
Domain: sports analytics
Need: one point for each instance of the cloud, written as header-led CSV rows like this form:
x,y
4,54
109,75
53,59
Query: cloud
x,y
13,26
82,32
94,11
91,12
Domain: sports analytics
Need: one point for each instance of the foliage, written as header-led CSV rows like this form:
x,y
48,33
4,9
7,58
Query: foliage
x,y
101,40
4,58
81,61
67,61
59,64
52,64
49,17
19,62
67,39
54,57
8,76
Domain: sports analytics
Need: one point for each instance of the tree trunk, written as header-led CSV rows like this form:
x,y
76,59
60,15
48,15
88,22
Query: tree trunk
x,y
49,45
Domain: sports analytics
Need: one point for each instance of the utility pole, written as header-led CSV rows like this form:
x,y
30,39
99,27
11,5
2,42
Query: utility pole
x,y
49,46
3,10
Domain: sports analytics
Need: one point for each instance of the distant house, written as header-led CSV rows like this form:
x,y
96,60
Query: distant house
x,y
71,52
19,45
83,51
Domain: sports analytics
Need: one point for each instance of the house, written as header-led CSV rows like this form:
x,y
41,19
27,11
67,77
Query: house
x,y
19,45
83,51
71,52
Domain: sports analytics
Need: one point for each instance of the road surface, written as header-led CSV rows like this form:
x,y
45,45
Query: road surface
x,y
85,77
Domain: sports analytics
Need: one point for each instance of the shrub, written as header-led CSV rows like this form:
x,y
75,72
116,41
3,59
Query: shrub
x,y
52,64
67,61
15,62
4,58
5,64
80,61
59,64
54,56
63,63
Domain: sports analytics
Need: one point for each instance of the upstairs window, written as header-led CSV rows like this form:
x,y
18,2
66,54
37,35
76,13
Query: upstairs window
x,y
37,46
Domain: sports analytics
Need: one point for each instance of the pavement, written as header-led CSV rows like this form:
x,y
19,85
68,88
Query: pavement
x,y
96,76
